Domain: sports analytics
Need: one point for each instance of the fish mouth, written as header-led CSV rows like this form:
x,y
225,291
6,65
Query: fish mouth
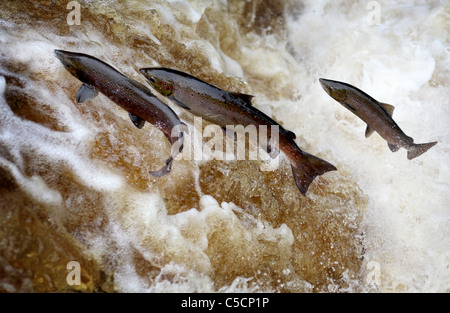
x,y
58,53
145,72
61,55
324,84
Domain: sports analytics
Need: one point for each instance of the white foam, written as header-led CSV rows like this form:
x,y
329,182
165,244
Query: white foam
x,y
33,186
230,66
22,136
183,280
408,202
2,85
187,9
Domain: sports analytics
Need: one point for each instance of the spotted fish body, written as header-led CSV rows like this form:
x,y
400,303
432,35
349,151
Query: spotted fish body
x,y
377,115
227,108
132,96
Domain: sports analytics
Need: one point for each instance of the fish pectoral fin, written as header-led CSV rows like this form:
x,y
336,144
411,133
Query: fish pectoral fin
x,y
179,103
86,93
388,108
168,137
137,121
369,131
348,106
393,147
247,98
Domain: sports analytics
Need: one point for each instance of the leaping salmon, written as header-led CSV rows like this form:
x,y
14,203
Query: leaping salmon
x,y
227,108
377,115
132,96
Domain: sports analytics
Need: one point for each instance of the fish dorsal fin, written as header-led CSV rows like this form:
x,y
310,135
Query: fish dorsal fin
x,y
369,131
291,134
86,93
388,108
247,98
137,121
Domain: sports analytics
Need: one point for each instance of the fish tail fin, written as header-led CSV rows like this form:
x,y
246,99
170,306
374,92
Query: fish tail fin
x,y
307,168
418,149
164,170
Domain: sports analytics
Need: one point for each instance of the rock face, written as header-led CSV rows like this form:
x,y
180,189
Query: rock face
x,y
74,182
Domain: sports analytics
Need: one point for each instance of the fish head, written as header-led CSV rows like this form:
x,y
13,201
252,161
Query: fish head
x,y
335,89
157,78
73,63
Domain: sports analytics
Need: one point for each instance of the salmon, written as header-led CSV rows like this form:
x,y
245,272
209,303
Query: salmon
x,y
140,103
377,115
226,108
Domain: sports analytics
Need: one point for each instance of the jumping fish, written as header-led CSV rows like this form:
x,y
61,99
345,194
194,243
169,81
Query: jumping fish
x,y
228,108
377,115
132,96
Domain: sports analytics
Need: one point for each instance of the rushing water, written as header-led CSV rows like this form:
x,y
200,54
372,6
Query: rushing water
x,y
74,180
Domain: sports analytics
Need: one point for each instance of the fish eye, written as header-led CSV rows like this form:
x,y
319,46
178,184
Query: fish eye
x,y
152,79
